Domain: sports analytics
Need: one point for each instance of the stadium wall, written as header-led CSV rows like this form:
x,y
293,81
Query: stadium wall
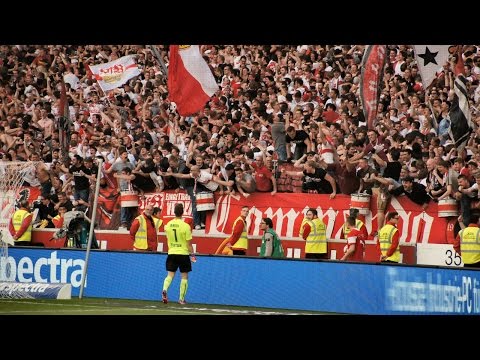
x,y
287,212
328,286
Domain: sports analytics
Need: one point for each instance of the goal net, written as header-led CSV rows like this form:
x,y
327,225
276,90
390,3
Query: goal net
x,y
13,175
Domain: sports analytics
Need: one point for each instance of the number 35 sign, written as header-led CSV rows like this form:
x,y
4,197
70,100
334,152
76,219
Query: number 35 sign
x,y
438,254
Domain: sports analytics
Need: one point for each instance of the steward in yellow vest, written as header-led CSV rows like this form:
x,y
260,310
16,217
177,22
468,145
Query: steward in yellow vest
x,y
143,231
237,243
20,226
313,231
467,243
388,239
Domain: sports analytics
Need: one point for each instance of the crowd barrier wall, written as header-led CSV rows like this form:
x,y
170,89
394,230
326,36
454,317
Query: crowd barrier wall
x,y
286,210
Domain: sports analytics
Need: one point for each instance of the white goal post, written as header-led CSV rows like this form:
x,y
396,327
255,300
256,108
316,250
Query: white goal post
x,y
13,175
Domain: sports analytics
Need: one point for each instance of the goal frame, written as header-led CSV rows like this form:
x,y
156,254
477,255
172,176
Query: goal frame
x,y
13,175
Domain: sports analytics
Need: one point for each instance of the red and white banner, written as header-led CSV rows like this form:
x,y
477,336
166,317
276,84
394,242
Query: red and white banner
x,y
115,73
372,72
190,80
287,212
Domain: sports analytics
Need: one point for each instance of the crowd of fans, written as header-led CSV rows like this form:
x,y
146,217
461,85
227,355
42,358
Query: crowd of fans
x,y
278,107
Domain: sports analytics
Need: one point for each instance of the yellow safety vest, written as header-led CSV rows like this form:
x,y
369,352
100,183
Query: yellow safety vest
x,y
470,245
346,231
242,242
317,238
385,237
158,223
18,218
141,235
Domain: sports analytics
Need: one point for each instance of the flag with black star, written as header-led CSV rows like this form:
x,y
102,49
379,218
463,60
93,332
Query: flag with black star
x,y
430,60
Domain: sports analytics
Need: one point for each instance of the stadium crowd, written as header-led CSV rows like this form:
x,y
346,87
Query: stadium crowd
x,y
280,111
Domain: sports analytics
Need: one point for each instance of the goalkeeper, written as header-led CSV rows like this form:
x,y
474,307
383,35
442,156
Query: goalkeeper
x,y
179,236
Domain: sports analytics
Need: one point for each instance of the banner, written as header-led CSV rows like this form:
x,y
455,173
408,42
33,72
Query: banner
x,y
115,73
108,208
372,73
287,212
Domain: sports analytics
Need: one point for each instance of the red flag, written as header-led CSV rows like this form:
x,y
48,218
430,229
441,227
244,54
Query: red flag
x,y
190,80
372,72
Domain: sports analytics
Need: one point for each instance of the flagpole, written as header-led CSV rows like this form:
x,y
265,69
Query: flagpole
x,y
157,55
104,94
435,122
64,120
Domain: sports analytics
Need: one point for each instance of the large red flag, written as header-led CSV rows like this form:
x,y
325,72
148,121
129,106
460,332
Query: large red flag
x,y
372,72
190,81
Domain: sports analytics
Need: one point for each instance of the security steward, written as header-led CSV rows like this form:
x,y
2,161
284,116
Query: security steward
x,y
389,238
313,231
20,226
467,243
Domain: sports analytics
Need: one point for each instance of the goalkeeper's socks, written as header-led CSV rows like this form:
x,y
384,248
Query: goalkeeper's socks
x,y
166,283
183,289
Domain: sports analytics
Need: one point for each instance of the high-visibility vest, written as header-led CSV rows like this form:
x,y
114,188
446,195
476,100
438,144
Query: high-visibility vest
x,y
277,248
346,231
17,220
242,242
141,235
470,244
317,238
385,236
157,222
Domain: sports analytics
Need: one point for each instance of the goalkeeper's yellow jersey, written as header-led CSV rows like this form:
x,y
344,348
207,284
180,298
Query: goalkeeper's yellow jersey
x,y
178,234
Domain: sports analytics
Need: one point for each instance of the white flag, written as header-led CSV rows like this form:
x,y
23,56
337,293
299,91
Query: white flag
x,y
115,73
430,60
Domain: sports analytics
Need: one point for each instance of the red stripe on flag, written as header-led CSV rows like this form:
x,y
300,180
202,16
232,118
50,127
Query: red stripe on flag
x,y
372,72
459,66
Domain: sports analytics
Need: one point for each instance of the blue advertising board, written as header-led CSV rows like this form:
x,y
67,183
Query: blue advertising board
x,y
329,286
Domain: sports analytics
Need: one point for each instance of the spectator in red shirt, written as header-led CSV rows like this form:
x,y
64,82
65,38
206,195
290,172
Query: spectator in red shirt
x,y
264,178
